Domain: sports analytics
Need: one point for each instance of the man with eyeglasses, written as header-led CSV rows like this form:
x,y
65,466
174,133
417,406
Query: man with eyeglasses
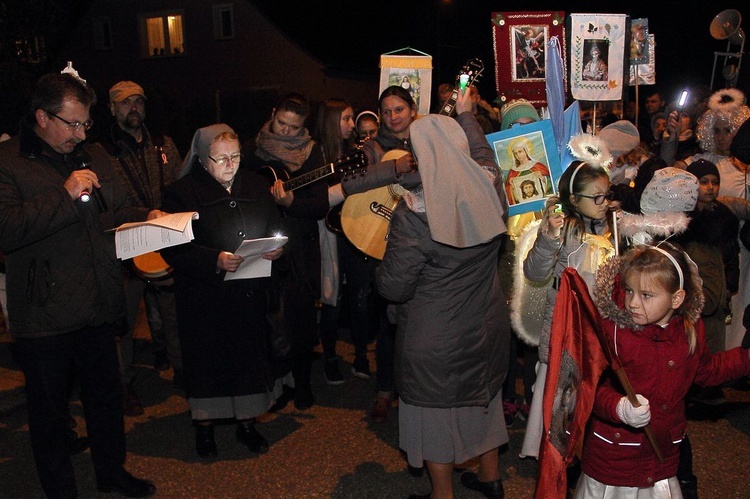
x,y
64,283
145,164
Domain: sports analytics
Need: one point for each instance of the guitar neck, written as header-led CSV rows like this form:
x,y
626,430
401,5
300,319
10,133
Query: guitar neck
x,y
450,104
310,177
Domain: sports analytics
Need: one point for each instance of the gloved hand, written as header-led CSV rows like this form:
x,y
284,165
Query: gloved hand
x,y
637,417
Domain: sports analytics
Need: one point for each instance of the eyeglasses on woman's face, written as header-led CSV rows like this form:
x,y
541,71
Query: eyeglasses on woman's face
x,y
224,160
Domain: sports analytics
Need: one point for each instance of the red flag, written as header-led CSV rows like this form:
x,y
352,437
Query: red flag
x,y
576,361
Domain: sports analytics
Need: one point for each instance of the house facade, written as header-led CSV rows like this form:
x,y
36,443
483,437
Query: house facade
x,y
202,61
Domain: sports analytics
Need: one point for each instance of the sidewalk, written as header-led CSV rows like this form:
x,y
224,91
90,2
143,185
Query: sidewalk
x,y
331,450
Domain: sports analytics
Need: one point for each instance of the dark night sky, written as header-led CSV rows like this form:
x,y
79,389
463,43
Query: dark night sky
x,y
353,34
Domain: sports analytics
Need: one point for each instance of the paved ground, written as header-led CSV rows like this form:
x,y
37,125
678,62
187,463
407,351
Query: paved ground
x,y
331,450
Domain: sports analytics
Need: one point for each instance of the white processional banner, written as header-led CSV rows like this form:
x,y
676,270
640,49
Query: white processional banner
x,y
412,72
597,56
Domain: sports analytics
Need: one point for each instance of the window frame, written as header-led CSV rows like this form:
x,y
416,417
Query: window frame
x,y
164,15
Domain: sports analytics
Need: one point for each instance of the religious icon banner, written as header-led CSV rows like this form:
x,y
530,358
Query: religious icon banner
x,y
520,42
597,56
412,72
530,164
646,72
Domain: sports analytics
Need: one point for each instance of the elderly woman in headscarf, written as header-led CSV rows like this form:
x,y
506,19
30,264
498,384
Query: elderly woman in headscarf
x,y
222,323
441,269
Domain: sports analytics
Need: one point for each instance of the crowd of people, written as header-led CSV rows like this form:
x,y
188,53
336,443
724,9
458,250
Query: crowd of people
x,y
675,297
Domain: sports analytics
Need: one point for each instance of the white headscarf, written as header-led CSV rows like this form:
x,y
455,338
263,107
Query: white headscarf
x,y
461,203
201,144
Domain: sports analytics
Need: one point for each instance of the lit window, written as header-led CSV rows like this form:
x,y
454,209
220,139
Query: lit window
x,y
162,34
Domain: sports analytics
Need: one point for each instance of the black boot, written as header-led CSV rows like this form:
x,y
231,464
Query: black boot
x,y
494,489
205,445
248,435
688,480
301,369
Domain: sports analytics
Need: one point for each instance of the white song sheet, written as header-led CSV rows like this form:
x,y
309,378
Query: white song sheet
x,y
252,250
133,239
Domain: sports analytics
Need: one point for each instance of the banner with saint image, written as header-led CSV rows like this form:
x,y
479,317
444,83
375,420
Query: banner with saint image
x,y
598,45
412,72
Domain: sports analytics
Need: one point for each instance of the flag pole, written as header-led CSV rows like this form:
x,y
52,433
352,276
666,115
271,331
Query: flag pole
x,y
616,365
620,372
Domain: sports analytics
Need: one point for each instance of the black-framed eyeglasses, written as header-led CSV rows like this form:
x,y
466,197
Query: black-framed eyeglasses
x,y
599,198
73,126
223,160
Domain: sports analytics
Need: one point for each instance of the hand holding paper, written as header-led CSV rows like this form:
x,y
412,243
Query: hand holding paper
x,y
253,251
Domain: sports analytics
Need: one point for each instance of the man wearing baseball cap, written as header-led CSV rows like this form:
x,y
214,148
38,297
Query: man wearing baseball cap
x,y
145,163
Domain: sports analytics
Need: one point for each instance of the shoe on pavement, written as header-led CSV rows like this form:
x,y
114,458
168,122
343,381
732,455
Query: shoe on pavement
x,y
332,372
127,485
361,368
494,489
161,361
380,409
510,409
248,435
132,405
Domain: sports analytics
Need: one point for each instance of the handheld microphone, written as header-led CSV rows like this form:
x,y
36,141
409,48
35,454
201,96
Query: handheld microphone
x,y
82,162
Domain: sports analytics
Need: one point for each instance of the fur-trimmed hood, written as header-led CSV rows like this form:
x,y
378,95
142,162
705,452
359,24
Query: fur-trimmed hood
x,y
609,294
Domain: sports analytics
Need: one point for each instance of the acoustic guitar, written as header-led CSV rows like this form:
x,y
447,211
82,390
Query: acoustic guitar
x,y
348,165
366,217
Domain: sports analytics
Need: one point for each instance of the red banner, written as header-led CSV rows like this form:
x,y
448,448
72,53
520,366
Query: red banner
x,y
576,361
520,40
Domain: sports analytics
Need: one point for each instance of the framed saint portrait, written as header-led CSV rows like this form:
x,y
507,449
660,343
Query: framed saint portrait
x,y
529,48
520,42
598,45
530,165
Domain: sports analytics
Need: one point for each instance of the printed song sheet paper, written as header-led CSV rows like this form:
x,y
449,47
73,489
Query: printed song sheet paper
x,y
134,239
255,265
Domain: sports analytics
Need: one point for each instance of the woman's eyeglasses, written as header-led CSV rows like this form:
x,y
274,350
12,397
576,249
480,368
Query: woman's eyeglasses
x,y
223,160
599,198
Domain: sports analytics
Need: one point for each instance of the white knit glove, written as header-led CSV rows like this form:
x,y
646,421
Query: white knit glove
x,y
636,417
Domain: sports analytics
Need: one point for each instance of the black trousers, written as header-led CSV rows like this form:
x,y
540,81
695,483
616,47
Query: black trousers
x,y
47,363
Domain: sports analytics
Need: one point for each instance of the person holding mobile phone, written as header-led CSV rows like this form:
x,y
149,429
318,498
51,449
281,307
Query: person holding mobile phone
x,y
679,133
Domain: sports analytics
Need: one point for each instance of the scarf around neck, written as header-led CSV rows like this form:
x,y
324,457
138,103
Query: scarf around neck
x,y
291,151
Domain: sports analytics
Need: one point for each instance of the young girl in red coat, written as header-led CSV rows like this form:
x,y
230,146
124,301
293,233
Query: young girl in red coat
x,y
651,300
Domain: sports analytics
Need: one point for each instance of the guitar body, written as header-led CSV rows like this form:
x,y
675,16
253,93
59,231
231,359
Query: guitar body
x,y
366,217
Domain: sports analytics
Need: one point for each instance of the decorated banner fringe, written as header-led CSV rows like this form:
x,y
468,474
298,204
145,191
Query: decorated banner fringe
x,y
412,72
597,56
406,61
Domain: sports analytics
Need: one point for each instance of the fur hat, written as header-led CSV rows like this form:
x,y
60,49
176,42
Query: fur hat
x,y
516,109
671,189
702,167
621,137
740,147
